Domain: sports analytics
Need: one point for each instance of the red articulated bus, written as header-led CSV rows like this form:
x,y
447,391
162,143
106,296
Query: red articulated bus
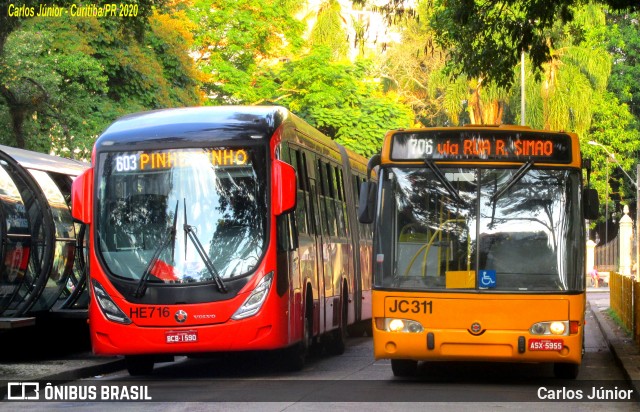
x,y
217,229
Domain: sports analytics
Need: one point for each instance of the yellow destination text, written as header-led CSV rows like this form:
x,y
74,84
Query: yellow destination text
x,y
226,157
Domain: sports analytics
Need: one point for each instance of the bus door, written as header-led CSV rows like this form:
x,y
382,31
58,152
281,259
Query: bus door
x,y
323,258
328,251
354,235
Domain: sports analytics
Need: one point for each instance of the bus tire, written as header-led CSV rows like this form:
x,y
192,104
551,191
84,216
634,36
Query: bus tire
x,y
338,341
139,365
404,367
296,356
566,370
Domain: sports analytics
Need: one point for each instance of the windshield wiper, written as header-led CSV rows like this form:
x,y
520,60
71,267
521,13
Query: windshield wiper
x,y
169,238
447,185
189,230
514,179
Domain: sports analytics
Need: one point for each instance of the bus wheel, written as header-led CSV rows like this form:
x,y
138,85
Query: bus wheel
x,y
139,365
338,341
296,356
566,370
404,367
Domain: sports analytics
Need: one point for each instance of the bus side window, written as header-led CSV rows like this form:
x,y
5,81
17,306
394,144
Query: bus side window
x,y
340,183
301,210
323,189
286,232
282,152
362,228
339,202
311,205
329,200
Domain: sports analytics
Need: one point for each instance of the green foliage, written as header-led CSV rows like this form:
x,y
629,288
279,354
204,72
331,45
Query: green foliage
x,y
48,73
412,68
615,128
329,30
484,38
341,100
132,26
618,320
167,37
623,41
576,74
63,80
236,41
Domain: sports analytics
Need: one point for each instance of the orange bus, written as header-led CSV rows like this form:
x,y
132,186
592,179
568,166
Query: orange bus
x,y
479,246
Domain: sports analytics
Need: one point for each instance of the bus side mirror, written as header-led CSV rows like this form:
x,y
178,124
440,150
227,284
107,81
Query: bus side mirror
x,y
82,197
367,203
590,203
285,193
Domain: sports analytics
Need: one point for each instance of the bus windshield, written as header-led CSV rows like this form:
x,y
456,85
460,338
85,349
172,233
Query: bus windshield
x,y
151,200
506,229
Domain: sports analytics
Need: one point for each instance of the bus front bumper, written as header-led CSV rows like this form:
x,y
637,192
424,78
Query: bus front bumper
x,y
461,345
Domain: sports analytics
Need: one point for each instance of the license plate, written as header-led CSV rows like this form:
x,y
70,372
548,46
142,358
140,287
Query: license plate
x,y
181,336
546,344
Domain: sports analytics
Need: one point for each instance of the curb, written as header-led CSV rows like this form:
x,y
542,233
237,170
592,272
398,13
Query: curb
x,y
624,350
87,371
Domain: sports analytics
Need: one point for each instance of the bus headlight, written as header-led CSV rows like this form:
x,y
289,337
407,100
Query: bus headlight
x,y
399,325
550,328
557,328
108,307
254,302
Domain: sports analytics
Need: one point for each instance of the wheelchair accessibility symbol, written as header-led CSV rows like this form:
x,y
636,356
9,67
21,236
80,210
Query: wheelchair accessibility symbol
x,y
487,279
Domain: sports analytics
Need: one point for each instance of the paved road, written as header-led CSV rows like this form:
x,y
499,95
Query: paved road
x,y
354,381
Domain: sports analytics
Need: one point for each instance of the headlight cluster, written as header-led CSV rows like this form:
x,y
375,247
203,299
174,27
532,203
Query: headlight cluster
x,y
399,325
550,328
254,302
108,306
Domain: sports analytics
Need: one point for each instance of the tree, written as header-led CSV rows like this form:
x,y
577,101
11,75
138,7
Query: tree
x,y
340,99
577,72
624,46
615,128
415,68
39,83
412,69
484,38
236,41
329,29
64,80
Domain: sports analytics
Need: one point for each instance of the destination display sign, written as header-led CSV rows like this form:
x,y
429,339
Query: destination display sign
x,y
481,145
175,158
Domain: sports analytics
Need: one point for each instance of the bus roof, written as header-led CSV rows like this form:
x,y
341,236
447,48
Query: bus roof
x,y
200,126
45,162
195,124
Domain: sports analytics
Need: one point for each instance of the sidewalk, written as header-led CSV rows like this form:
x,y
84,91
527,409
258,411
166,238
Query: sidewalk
x,y
55,350
624,350
82,364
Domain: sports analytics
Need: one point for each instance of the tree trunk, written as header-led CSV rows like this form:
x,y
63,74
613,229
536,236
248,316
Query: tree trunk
x,y
18,114
17,119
